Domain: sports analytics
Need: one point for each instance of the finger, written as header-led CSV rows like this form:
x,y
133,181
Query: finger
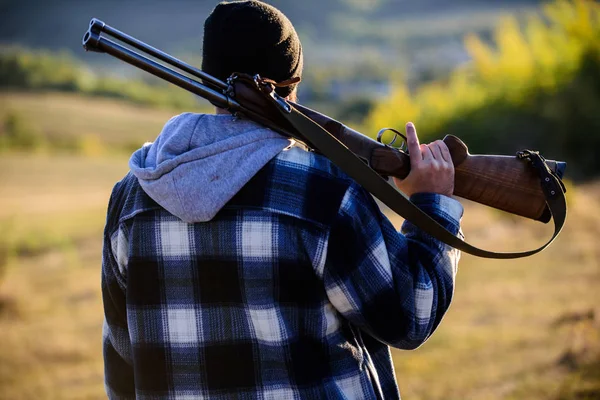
x,y
445,152
412,141
436,149
426,152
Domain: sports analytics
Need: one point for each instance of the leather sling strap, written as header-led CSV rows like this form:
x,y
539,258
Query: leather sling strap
x,y
340,155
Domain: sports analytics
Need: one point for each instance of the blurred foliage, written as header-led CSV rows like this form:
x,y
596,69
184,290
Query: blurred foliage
x,y
354,110
71,123
538,87
583,384
41,70
35,71
4,257
582,358
17,133
21,134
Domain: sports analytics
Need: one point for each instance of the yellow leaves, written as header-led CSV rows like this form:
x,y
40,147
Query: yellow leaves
x,y
482,56
579,18
511,62
430,107
575,26
515,62
541,43
396,111
538,54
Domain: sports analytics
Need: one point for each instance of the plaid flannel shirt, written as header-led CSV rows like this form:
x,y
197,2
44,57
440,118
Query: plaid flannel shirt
x,y
294,290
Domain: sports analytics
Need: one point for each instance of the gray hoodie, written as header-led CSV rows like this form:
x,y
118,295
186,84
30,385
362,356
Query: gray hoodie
x,y
200,161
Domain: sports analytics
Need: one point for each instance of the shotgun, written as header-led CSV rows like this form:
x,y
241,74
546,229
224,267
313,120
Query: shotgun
x,y
502,182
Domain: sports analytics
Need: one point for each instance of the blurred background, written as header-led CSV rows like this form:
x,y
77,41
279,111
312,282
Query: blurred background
x,y
501,75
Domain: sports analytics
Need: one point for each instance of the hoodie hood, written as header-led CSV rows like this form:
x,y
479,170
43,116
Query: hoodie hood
x,y
200,161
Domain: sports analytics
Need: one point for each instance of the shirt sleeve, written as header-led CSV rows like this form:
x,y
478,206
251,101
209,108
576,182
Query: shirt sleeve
x,y
396,286
118,364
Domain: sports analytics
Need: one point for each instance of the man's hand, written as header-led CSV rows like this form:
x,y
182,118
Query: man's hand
x,y
431,168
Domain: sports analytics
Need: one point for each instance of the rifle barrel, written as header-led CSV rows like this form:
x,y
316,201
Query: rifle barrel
x,y
97,26
94,42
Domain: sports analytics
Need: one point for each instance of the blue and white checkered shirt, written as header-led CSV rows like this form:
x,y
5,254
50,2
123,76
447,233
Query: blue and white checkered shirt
x,y
295,290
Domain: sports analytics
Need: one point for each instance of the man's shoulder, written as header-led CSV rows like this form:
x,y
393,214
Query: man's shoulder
x,y
298,183
297,157
127,200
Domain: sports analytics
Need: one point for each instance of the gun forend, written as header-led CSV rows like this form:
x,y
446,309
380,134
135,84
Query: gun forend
x,y
503,182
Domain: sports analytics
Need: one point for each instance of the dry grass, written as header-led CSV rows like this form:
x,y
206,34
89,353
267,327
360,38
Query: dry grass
x,y
503,337
526,329
51,324
516,329
64,116
51,219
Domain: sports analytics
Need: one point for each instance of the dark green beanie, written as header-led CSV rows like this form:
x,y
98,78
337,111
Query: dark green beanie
x,y
254,38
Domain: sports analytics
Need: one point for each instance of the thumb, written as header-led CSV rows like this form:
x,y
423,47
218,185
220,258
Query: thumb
x,y
412,141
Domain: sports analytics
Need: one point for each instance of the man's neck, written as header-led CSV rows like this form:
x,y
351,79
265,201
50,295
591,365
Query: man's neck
x,y
221,111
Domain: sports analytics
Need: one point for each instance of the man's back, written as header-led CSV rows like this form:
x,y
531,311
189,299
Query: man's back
x,y
238,266
289,291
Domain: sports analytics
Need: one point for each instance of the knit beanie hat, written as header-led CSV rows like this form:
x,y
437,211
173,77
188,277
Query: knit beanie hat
x,y
251,37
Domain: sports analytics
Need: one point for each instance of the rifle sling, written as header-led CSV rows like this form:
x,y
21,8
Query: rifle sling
x,y
340,155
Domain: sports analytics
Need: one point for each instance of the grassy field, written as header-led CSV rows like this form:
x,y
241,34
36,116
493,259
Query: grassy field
x,y
68,116
527,329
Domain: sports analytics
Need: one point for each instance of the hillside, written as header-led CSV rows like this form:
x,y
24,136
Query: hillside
x,y
337,31
64,118
167,26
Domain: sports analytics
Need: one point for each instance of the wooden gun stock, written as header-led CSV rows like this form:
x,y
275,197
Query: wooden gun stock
x,y
503,182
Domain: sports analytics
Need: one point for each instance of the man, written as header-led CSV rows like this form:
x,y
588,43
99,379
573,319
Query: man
x,y
237,265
